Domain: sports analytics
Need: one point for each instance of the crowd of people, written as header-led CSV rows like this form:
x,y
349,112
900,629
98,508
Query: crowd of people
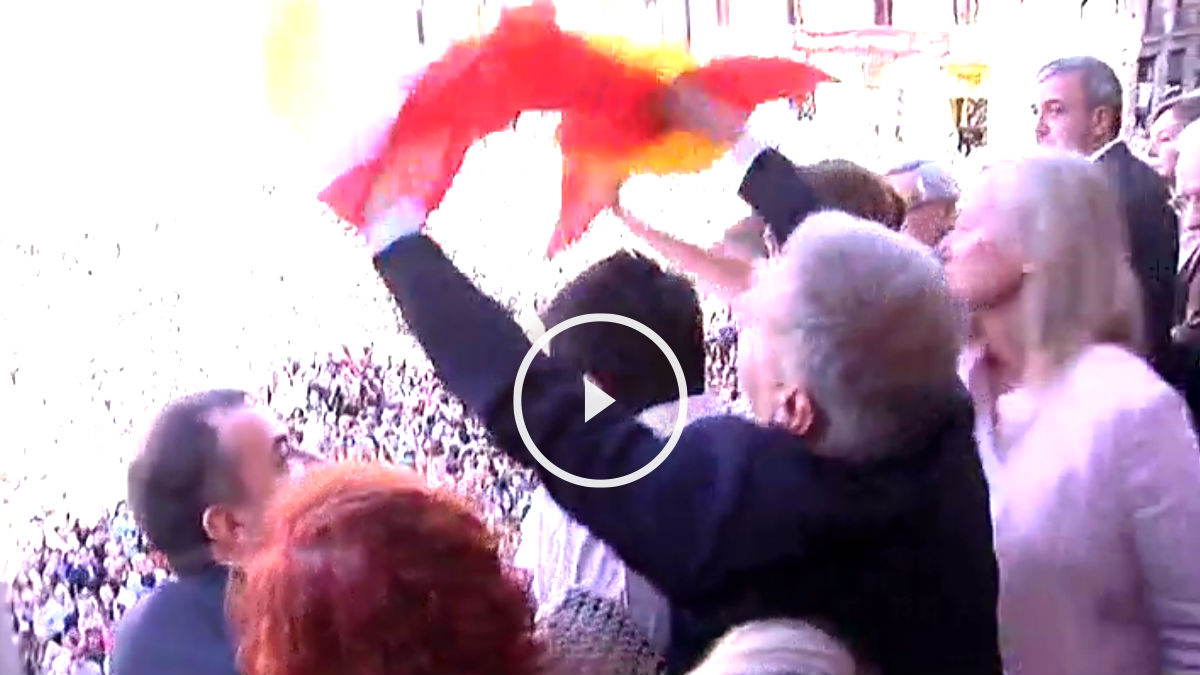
x,y
964,441
76,580
72,586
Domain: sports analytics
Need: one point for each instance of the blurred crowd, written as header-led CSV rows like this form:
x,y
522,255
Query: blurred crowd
x,y
900,493
75,578
73,584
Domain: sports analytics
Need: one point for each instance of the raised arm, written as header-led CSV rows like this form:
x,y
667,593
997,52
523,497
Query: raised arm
x,y
727,275
769,182
721,473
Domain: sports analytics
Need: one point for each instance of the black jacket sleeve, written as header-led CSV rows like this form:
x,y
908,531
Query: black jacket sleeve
x,y
777,191
714,502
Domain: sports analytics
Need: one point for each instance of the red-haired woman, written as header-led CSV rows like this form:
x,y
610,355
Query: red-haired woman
x,y
363,570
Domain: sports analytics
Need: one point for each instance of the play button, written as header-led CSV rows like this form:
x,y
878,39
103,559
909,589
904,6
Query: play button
x,y
594,400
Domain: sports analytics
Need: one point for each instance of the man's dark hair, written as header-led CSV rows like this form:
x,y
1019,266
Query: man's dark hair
x,y
180,471
630,367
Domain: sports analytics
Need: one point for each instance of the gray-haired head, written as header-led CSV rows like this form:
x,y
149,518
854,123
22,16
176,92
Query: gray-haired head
x,y
1184,107
862,320
778,647
922,181
1101,87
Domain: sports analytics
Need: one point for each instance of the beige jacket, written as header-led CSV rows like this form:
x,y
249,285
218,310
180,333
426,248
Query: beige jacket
x,y
1095,485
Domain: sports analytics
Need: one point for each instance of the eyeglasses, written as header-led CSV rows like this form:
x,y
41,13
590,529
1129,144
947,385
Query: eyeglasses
x,y
1181,202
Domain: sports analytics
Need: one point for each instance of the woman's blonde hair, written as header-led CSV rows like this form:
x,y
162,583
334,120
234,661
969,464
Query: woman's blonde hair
x,y
1061,212
777,647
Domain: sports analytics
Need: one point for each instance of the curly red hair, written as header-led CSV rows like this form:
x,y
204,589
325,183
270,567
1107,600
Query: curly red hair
x,y
363,570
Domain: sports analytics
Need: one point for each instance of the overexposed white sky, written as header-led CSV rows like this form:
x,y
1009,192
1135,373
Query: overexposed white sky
x,y
127,97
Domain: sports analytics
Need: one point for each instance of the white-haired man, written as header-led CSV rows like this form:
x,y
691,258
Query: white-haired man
x,y
858,501
930,194
1186,333
1187,195
1166,123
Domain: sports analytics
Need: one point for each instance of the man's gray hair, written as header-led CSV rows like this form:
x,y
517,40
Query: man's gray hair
x,y
933,182
863,319
1101,87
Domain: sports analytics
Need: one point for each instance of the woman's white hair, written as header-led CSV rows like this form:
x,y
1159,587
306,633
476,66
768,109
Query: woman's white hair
x,y
777,647
863,319
1061,214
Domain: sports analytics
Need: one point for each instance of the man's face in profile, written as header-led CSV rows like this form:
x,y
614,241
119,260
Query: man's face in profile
x,y
259,447
1064,120
1164,131
927,221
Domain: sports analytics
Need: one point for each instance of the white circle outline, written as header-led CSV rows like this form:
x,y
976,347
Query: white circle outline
x,y
519,388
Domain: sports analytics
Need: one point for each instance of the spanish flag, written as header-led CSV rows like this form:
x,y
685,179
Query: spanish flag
x,y
608,90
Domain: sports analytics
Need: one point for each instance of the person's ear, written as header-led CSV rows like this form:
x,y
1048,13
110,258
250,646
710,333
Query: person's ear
x,y
220,524
796,411
1105,122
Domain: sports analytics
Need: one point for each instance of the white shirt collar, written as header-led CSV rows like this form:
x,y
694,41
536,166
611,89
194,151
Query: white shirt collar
x,y
1105,148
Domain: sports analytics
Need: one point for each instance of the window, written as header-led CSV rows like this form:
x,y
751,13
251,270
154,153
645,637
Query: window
x,y
421,24
1155,23
722,12
965,11
1175,67
1145,69
883,12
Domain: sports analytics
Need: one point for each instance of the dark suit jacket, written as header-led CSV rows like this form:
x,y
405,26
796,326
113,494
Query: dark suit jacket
x,y
740,522
1187,332
181,628
1154,246
1187,301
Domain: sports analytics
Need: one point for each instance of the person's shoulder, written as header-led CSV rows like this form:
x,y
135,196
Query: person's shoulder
x,y
1142,175
730,435
163,632
150,611
1099,366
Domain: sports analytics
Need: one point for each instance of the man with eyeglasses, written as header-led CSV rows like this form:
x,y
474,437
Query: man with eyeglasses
x,y
1167,122
1187,201
1186,333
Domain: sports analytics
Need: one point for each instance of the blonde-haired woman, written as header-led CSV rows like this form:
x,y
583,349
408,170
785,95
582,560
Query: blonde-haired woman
x,y
1091,458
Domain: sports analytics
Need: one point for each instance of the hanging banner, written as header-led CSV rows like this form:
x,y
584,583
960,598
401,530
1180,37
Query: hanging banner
x,y
865,55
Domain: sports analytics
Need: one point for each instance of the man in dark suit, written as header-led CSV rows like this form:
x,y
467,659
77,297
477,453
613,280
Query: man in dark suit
x,y
196,489
1079,109
891,551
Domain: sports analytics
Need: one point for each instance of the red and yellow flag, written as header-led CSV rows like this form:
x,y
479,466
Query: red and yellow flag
x,y
608,91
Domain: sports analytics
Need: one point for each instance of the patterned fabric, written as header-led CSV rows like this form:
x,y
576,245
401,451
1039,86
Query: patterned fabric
x,y
589,635
561,554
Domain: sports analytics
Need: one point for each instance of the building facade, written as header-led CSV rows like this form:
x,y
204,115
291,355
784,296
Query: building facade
x,y
1171,44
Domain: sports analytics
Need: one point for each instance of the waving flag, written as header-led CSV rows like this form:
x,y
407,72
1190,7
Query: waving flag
x,y
608,91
